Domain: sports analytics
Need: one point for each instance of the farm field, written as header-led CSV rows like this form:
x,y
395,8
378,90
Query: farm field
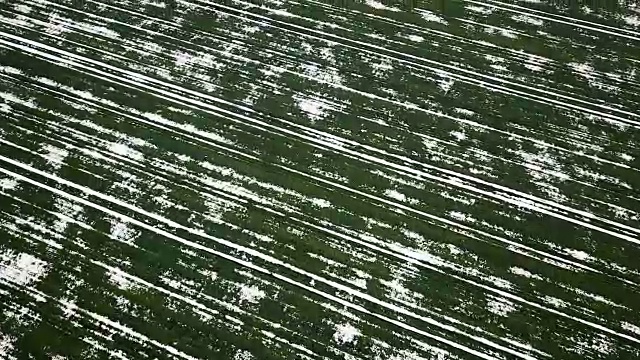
x,y
239,180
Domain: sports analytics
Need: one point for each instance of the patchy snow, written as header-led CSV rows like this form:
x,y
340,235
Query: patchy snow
x,y
429,16
380,6
243,355
21,269
346,333
8,184
479,9
125,150
462,216
445,83
523,272
120,231
6,346
25,9
54,156
500,306
630,327
415,38
528,20
459,135
314,108
632,20
578,254
251,294
394,194
118,278
320,202
555,301
463,111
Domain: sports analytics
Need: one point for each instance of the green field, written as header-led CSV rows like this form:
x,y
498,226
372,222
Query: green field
x,y
239,180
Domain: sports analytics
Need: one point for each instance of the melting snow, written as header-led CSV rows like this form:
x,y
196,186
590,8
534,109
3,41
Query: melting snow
x,y
346,333
316,109
6,346
528,20
22,269
320,202
118,279
461,216
578,254
632,20
380,6
243,355
122,232
54,156
395,195
479,9
429,16
459,135
251,294
630,327
522,272
125,150
500,306
555,301
8,184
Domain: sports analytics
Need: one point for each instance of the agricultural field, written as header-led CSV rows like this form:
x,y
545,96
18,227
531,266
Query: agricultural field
x,y
319,179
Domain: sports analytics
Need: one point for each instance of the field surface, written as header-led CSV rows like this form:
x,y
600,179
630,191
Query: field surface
x,y
319,179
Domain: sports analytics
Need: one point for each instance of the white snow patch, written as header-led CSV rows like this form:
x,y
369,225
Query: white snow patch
x,y
578,254
243,355
125,150
99,30
632,20
380,68
508,33
413,235
183,59
523,272
459,135
415,38
462,111
602,345
429,16
21,269
320,202
479,9
120,231
25,9
8,184
346,333
528,20
626,157
394,194
251,294
630,327
398,291
54,156
55,25
500,306
281,12
461,216
316,109
327,74
380,6
6,346
118,279
555,301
